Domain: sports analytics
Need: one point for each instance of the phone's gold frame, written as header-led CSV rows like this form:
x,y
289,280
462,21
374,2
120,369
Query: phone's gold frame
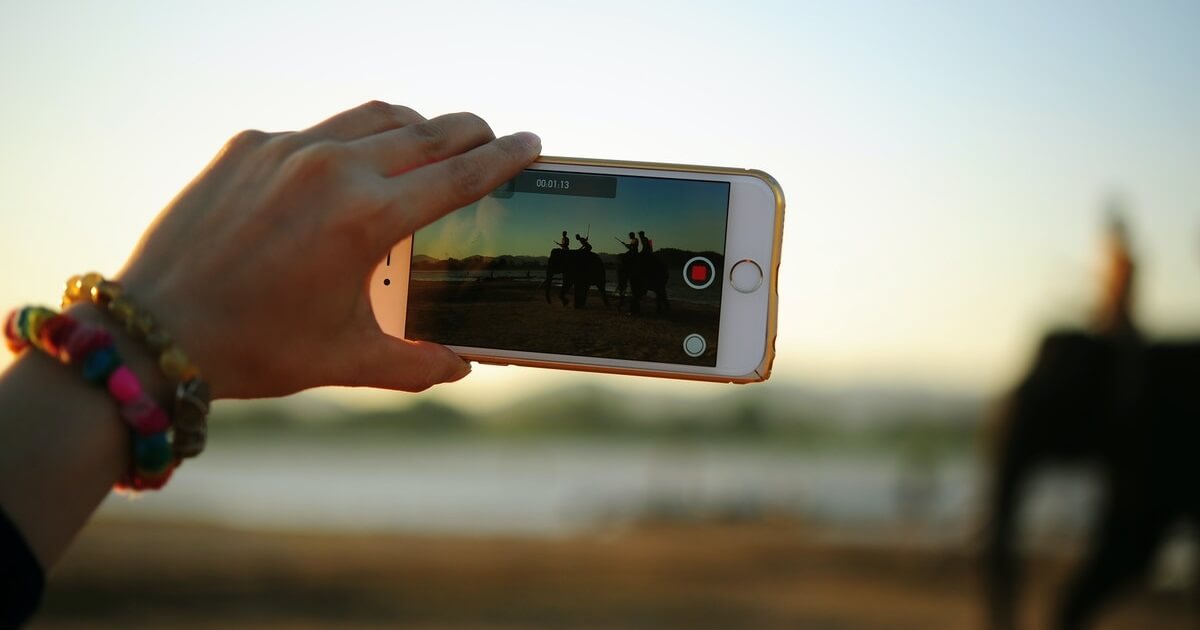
x,y
763,371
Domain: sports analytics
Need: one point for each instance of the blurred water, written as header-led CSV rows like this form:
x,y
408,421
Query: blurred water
x,y
540,487
558,487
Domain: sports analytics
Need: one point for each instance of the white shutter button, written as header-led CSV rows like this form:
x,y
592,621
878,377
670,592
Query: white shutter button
x,y
746,276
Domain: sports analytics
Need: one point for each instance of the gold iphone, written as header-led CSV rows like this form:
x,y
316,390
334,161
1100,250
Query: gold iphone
x,y
606,266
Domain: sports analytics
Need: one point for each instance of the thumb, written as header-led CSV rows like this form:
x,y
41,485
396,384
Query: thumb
x,y
412,366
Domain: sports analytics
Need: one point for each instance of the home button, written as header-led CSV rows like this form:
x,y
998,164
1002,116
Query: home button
x,y
746,276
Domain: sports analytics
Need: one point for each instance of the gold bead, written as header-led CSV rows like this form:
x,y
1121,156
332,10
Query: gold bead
x,y
105,292
143,324
122,310
71,292
158,340
87,283
175,364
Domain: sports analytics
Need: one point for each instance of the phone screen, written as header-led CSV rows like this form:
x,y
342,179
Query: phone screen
x,y
582,264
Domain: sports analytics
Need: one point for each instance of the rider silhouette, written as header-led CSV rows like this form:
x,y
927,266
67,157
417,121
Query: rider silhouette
x,y
583,243
1115,314
647,244
565,242
632,245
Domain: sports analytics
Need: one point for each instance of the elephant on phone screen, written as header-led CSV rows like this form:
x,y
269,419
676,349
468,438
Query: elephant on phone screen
x,y
580,270
642,272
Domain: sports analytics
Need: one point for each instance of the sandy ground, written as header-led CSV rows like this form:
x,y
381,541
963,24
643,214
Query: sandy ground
x,y
511,314
743,576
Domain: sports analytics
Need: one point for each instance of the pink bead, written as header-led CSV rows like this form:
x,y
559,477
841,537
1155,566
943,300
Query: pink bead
x,y
144,416
124,385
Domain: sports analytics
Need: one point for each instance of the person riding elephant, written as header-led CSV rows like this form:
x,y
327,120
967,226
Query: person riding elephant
x,y
1111,399
647,244
581,269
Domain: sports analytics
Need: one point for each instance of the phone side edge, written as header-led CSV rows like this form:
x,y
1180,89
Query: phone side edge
x,y
764,368
487,359
390,304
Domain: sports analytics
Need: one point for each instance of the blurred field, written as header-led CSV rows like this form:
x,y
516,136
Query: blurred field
x,y
770,507
758,575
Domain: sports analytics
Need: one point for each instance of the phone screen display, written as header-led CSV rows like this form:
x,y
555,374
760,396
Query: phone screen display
x,y
581,264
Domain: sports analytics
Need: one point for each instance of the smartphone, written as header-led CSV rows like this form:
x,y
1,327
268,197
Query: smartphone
x,y
633,268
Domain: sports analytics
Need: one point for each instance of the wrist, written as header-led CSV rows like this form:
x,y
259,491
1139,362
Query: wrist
x,y
177,377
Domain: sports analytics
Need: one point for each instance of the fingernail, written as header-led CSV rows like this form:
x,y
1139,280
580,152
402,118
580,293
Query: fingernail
x,y
529,138
462,371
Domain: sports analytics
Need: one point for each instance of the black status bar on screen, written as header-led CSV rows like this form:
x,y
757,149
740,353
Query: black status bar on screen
x,y
558,183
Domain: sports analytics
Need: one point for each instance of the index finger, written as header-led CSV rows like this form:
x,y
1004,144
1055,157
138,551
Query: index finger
x,y
424,195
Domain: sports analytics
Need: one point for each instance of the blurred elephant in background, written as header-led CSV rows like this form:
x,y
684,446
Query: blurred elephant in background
x,y
1109,398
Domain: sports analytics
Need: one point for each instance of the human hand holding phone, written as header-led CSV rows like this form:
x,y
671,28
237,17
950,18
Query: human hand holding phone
x,y
596,265
260,267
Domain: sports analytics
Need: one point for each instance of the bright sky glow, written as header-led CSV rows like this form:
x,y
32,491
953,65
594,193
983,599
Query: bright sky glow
x,y
686,215
945,163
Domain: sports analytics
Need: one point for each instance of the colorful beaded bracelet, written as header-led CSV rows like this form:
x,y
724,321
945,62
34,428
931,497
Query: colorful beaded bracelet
x,y
91,348
192,396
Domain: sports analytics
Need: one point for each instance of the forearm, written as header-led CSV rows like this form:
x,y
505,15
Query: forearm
x,y
62,442
230,271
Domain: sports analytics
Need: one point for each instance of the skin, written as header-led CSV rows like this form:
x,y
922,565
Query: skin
x,y
259,269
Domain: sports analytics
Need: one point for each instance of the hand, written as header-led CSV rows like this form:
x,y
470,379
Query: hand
x,y
259,269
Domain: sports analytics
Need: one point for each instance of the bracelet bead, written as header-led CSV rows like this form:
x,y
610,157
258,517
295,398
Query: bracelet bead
x,y
88,282
143,324
149,480
144,416
12,333
191,409
122,311
192,396
91,348
158,341
82,341
99,364
124,386
31,323
81,286
151,453
175,365
54,333
105,291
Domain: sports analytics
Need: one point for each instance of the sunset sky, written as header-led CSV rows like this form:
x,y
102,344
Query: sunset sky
x,y
945,163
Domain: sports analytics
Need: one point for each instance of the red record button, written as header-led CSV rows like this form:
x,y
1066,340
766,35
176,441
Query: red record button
x,y
699,272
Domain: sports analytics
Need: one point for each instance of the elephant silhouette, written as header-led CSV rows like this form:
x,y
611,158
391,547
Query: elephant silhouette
x,y
581,270
642,272
1130,408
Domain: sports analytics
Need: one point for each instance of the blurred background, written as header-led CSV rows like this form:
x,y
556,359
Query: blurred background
x,y
947,167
